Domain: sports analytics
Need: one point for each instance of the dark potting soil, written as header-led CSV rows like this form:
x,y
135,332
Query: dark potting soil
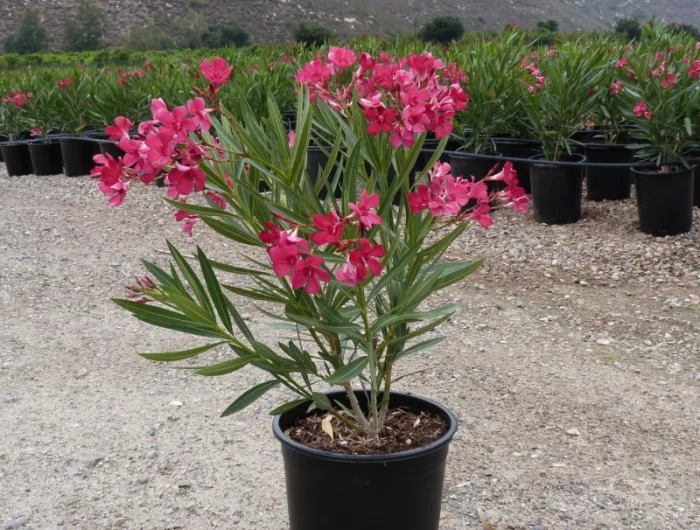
x,y
403,431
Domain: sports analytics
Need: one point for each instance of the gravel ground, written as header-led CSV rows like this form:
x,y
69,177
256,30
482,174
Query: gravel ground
x,y
573,366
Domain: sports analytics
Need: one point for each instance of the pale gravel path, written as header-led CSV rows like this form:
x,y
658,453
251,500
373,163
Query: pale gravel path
x,y
89,440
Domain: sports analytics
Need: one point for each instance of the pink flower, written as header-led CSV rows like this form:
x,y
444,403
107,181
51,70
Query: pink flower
x,y
351,274
160,148
364,209
622,63
120,129
188,220
419,200
184,179
640,109
64,83
108,170
309,274
291,138
271,236
365,255
516,199
694,69
176,121
200,114
36,132
480,214
283,257
330,228
616,88
341,58
217,199
116,192
507,175
217,72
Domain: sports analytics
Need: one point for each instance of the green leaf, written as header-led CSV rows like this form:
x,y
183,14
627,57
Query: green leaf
x,y
688,126
225,367
179,355
392,319
191,277
345,328
165,318
419,347
288,406
321,401
214,287
249,396
348,372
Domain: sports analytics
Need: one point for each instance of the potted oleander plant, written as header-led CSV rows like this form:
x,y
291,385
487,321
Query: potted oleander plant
x,y
559,96
350,276
44,151
610,143
15,152
73,104
663,96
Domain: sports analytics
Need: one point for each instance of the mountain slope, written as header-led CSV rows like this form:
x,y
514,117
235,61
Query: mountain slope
x,y
271,20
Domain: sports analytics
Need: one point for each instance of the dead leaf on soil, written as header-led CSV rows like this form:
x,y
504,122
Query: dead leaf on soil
x,y
327,427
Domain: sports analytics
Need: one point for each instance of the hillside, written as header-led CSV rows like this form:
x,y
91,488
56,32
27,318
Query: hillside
x,y
270,20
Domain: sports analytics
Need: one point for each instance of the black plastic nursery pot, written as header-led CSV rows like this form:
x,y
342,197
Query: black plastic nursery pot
x,y
401,491
469,165
17,159
46,157
289,117
608,183
77,156
517,148
110,148
665,201
316,162
556,190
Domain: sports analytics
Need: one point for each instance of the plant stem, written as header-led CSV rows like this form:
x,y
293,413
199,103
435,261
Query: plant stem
x,y
355,405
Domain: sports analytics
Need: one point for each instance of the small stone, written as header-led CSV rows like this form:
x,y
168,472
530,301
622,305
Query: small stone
x,y
237,512
115,264
558,464
118,522
479,287
573,432
94,461
603,342
152,454
16,523
81,374
519,303
584,283
176,403
151,431
697,377
142,480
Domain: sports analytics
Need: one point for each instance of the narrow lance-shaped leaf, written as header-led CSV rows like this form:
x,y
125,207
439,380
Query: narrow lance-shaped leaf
x,y
249,396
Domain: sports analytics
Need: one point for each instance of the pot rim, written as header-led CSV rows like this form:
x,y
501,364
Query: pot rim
x,y
14,143
371,459
515,141
608,146
556,163
475,156
659,174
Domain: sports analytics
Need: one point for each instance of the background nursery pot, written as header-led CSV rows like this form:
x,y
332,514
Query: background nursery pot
x,y
401,491
608,183
556,191
77,156
46,158
17,159
665,201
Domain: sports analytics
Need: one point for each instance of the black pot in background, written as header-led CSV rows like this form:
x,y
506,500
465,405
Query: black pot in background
x,y
316,162
467,165
608,183
517,148
77,156
665,201
110,148
17,159
556,191
46,158
402,491
289,117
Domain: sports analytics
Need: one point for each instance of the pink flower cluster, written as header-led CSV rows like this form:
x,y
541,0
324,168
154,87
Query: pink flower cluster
x,y
17,98
616,88
292,255
540,80
405,97
642,109
694,69
162,146
63,84
446,195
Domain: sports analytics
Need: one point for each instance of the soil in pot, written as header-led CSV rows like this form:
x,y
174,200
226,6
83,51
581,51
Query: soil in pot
x,y
46,158
524,149
608,183
77,156
17,159
665,201
556,190
400,491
